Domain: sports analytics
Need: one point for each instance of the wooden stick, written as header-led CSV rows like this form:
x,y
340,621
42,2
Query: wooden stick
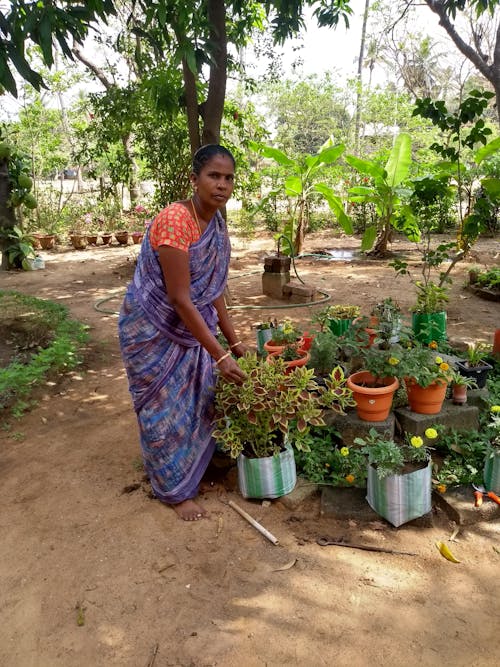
x,y
254,523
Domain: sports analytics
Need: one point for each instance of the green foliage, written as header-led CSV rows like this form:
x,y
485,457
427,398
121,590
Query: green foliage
x,y
18,247
385,192
271,405
327,462
463,455
489,278
300,184
325,352
61,353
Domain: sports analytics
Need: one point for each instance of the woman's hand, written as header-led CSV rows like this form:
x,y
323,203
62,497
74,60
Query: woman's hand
x,y
241,349
230,371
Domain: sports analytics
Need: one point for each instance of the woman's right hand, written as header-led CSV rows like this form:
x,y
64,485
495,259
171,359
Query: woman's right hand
x,y
230,371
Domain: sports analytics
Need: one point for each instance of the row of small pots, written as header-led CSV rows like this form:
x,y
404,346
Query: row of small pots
x,y
80,241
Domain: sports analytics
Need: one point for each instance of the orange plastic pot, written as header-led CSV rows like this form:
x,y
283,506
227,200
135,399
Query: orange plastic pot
x,y
373,395
426,400
293,363
271,347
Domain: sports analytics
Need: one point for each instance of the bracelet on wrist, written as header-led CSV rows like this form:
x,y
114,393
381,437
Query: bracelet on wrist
x,y
235,344
224,356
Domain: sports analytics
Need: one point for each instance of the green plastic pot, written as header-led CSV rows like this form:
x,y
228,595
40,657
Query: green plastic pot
x,y
429,327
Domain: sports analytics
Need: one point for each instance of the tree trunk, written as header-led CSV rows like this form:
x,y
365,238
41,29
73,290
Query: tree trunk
x,y
214,105
380,248
491,72
7,213
192,110
133,184
359,92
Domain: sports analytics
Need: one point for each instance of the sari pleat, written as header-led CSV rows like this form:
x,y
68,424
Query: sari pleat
x,y
171,376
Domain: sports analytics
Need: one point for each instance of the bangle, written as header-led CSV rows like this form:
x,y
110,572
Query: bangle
x,y
235,344
224,356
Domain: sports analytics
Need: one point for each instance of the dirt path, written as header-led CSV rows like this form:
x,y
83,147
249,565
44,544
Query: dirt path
x,y
95,572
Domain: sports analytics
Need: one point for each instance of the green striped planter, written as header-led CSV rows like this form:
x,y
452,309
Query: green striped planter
x,y
269,476
400,498
492,470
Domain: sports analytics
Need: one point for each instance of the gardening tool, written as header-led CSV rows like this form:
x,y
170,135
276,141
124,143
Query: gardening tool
x,y
480,491
327,541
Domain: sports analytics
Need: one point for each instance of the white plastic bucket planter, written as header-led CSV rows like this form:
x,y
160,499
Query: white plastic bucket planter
x,y
269,476
400,498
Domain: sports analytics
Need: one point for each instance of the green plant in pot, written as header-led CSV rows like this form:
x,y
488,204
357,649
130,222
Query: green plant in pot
x,y
491,472
325,353
268,414
459,384
399,482
387,321
475,365
285,334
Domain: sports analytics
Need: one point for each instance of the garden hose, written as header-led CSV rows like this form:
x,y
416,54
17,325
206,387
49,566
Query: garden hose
x,y
325,296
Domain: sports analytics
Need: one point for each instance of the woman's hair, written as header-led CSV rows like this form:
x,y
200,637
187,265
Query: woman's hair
x,y
206,153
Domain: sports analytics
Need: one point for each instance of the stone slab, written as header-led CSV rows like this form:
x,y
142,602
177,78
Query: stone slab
x,y
344,504
303,491
458,504
273,283
350,426
459,417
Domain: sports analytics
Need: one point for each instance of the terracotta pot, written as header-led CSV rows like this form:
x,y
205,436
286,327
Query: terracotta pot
x,y
106,238
459,394
269,346
373,396
426,400
122,237
293,363
92,239
78,241
137,237
47,241
496,343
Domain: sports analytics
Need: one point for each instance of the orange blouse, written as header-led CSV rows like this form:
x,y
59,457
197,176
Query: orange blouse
x,y
175,227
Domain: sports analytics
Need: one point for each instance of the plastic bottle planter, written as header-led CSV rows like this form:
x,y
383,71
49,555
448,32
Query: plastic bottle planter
x,y
477,373
429,327
400,498
269,476
492,470
263,335
373,396
426,400
338,327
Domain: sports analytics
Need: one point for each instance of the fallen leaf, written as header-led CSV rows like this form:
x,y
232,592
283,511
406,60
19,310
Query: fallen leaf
x,y
288,566
446,553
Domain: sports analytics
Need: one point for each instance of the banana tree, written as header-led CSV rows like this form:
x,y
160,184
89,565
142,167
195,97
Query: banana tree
x,y
386,192
299,186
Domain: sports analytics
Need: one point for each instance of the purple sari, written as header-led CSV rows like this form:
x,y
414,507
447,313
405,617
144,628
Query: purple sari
x,y
171,376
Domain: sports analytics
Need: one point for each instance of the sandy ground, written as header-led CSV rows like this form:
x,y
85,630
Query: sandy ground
x,y
94,572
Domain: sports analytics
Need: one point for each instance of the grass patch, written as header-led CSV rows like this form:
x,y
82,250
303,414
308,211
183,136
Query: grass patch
x,y
42,340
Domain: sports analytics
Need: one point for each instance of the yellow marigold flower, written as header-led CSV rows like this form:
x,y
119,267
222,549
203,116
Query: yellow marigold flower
x,y
441,488
433,345
287,328
431,433
495,408
394,361
416,441
444,366
438,360
345,451
350,479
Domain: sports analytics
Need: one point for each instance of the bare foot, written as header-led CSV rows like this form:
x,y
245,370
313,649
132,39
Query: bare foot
x,y
189,510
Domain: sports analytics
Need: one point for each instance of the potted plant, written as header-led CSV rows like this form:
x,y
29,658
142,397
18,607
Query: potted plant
x,y
459,384
325,354
259,421
340,317
399,482
475,365
387,321
429,314
283,335
426,377
264,332
491,472
374,386
292,354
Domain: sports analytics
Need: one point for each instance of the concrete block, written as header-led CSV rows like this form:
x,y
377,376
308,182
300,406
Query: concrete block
x,y
350,426
299,293
478,398
459,417
273,283
277,264
303,491
458,504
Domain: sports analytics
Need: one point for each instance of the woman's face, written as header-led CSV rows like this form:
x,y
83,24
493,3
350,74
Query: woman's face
x,y
214,184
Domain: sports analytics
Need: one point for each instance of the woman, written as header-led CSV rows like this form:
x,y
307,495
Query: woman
x,y
168,326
